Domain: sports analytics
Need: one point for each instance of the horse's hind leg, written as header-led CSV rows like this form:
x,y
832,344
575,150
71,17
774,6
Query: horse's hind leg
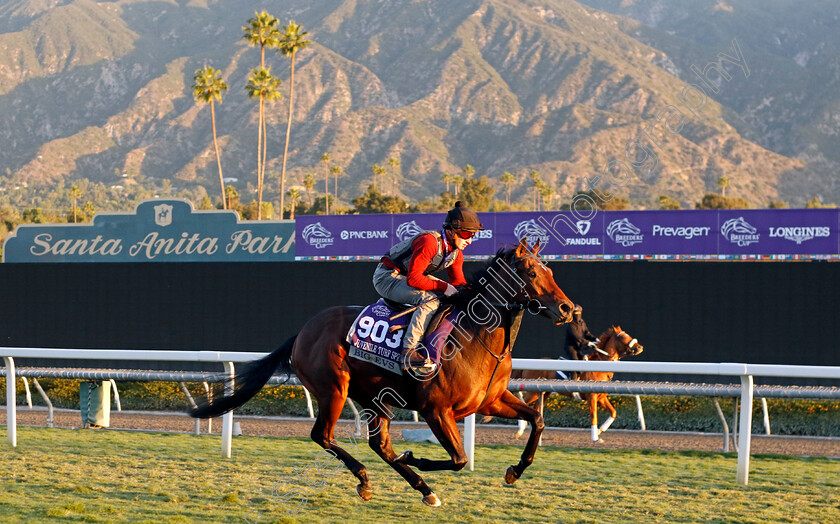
x,y
605,404
445,428
330,405
380,442
592,401
509,406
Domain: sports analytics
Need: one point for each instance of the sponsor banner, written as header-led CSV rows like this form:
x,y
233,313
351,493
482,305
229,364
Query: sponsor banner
x,y
660,232
559,232
158,231
780,232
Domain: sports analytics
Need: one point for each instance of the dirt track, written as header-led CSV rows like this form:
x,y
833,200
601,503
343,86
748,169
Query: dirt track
x,y
485,434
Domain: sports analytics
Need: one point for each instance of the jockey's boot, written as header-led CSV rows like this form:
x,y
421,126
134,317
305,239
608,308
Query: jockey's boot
x,y
419,363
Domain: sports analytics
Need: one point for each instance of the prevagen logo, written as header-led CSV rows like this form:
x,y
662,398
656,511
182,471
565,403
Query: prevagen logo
x,y
317,235
739,231
407,230
625,233
531,232
799,234
686,232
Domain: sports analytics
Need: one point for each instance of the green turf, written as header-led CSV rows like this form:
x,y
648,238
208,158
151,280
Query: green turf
x,y
60,475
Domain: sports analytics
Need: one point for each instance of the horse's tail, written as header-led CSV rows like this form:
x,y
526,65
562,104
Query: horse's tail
x,y
249,381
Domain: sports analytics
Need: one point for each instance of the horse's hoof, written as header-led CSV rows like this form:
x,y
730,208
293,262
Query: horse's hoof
x,y
431,500
510,475
365,492
404,457
519,433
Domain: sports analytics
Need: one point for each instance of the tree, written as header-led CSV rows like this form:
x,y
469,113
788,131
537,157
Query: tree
x,y
394,163
325,158
446,178
815,203
616,203
336,170
232,196
457,180
723,183
263,85
468,171
666,202
291,41
507,180
715,201
546,194
88,210
208,86
294,196
262,31
309,184
777,204
375,202
535,178
378,171
477,193
75,194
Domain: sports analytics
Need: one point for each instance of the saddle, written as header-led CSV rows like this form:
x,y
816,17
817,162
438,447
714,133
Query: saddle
x,y
437,318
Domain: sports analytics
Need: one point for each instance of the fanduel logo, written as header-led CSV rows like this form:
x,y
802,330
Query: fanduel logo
x,y
739,231
800,234
685,232
625,233
531,232
362,235
583,227
317,235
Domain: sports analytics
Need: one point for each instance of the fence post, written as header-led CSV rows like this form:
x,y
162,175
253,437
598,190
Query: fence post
x,y
227,418
743,473
469,440
11,402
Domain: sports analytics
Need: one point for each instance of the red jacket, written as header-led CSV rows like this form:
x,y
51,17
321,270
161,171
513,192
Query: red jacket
x,y
423,249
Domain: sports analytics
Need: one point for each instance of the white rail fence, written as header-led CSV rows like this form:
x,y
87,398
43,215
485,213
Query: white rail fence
x,y
746,372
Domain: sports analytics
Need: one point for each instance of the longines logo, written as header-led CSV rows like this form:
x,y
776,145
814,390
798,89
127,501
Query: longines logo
x,y
317,235
531,232
800,234
740,232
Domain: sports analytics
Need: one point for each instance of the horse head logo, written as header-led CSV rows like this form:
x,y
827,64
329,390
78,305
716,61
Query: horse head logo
x,y
623,226
531,232
407,230
317,235
739,231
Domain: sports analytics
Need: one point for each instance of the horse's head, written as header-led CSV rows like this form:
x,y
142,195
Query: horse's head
x,y
616,344
539,292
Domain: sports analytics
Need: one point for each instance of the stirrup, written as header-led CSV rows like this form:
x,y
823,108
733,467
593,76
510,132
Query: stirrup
x,y
424,366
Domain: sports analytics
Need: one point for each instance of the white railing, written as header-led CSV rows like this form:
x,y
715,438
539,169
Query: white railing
x,y
746,372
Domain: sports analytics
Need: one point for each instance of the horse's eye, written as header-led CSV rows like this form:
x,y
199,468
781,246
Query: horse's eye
x,y
532,274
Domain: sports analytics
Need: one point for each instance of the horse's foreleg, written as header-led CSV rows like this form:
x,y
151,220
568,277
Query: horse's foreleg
x,y
380,443
605,404
509,406
592,400
445,428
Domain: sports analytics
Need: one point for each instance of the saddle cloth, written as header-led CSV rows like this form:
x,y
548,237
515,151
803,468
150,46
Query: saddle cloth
x,y
374,337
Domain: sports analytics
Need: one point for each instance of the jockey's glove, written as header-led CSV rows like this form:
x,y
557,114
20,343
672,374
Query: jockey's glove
x,y
450,290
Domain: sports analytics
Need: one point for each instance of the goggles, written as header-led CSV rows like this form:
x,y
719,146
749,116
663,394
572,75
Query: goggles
x,y
463,233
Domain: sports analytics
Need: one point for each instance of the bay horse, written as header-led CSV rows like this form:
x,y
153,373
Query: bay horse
x,y
471,378
613,344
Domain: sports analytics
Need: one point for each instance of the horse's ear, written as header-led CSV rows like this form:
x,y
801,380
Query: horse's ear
x,y
536,249
522,248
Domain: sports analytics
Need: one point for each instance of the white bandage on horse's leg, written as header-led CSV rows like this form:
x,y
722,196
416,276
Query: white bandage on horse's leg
x,y
522,426
594,433
576,396
607,423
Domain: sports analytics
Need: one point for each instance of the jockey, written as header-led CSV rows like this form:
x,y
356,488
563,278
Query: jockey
x,y
580,342
404,275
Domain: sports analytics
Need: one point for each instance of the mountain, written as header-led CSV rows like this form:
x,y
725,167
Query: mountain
x,y
101,90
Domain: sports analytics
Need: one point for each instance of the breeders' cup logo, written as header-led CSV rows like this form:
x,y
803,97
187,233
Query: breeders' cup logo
x,y
163,215
739,231
625,233
317,235
407,230
531,232
800,234
380,310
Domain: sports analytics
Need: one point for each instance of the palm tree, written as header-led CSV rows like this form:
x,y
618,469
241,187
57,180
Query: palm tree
x,y
325,158
291,41
262,85
261,31
507,180
336,170
309,184
207,87
546,193
75,194
457,180
535,177
378,171
723,183
446,178
468,171
231,193
294,196
394,163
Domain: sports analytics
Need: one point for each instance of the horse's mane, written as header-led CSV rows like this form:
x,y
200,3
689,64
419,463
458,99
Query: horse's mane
x,y
602,339
479,280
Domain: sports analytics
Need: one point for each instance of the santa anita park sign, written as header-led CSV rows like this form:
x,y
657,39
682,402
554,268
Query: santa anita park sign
x,y
158,231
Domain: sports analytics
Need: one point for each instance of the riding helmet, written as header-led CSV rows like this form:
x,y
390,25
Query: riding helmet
x,y
461,217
